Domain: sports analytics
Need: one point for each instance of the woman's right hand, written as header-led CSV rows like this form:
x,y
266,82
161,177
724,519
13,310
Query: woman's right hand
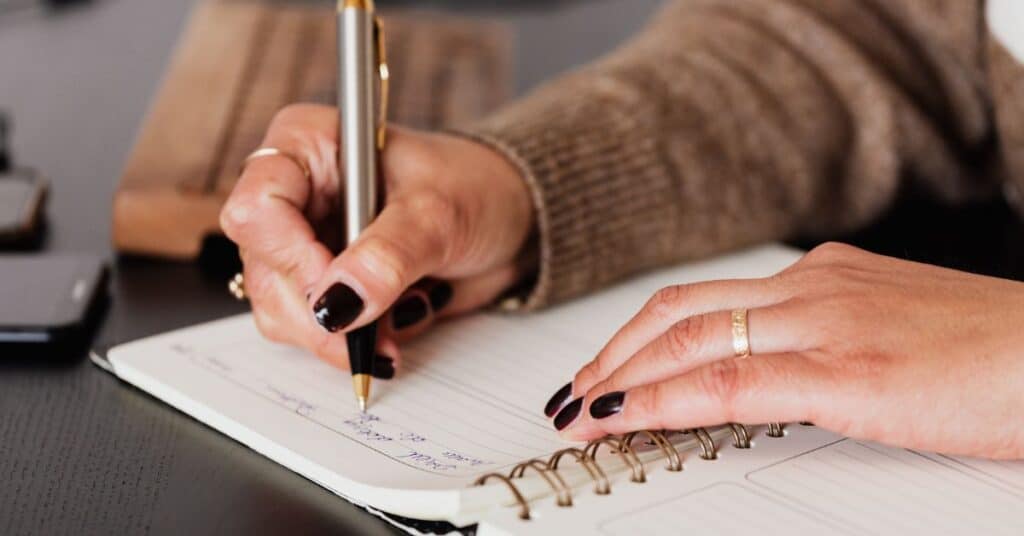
x,y
449,239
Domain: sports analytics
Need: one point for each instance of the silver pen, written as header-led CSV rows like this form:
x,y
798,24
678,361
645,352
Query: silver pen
x,y
362,106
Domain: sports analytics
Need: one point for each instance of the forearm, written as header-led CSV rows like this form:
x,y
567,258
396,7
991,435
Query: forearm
x,y
724,124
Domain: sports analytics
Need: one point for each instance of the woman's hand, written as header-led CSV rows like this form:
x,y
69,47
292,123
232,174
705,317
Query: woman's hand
x,y
868,346
448,239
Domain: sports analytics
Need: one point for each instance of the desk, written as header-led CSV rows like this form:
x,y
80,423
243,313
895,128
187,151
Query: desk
x,y
81,453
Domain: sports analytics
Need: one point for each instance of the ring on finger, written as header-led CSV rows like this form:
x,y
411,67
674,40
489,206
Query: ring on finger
x,y
740,333
265,152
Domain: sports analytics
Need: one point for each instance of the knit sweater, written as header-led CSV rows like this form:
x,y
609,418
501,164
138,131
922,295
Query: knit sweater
x,y
727,123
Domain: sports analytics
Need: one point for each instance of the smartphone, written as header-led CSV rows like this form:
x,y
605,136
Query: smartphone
x,y
49,299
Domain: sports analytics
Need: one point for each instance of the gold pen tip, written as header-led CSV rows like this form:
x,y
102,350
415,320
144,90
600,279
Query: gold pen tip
x,y
361,385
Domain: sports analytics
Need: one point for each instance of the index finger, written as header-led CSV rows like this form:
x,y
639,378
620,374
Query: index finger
x,y
266,212
767,388
666,308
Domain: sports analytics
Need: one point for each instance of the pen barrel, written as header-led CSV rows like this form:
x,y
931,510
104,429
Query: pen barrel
x,y
358,123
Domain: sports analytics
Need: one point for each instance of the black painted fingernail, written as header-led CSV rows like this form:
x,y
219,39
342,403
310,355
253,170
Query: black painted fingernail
x,y
440,295
607,404
557,399
568,413
383,367
408,312
338,307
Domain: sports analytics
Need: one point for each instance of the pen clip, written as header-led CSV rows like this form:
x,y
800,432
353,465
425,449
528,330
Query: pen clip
x,y
385,75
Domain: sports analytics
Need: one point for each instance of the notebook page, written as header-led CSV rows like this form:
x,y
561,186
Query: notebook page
x,y
467,399
810,481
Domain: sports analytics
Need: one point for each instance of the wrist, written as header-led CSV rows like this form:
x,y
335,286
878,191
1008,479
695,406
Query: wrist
x,y
507,203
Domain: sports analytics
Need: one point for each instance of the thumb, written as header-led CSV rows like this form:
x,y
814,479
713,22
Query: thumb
x,y
406,242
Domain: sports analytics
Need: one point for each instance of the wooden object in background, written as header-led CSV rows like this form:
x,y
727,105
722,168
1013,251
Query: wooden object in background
x,y
238,62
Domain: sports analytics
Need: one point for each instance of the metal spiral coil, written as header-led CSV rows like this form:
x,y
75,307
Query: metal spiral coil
x,y
624,451
524,508
708,450
740,436
601,484
563,495
622,446
675,462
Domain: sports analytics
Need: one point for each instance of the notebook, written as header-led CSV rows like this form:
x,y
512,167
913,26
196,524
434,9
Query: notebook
x,y
459,435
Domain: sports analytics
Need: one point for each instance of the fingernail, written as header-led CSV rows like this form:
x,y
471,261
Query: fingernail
x,y
607,404
383,367
338,307
557,399
568,414
440,295
408,312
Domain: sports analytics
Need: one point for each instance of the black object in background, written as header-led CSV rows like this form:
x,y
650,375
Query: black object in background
x,y
5,143
49,300
985,236
22,195
15,6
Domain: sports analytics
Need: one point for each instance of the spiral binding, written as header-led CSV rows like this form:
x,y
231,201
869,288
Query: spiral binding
x,y
622,446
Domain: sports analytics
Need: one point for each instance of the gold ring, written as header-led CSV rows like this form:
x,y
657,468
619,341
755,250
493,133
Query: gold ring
x,y
237,286
274,151
740,333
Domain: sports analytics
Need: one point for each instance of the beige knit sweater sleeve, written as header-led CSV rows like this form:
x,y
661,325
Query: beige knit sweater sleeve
x,y
731,122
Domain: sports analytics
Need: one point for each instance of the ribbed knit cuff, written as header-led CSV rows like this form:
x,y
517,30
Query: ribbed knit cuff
x,y
598,185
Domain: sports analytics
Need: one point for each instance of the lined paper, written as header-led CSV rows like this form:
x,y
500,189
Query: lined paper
x,y
724,508
451,418
1005,472
880,489
468,398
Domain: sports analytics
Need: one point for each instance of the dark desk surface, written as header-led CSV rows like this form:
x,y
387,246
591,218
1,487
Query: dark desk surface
x,y
81,453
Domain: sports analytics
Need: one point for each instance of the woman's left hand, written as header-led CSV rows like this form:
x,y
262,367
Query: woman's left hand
x,y
867,346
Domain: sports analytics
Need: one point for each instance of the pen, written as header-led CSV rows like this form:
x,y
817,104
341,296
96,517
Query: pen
x,y
361,137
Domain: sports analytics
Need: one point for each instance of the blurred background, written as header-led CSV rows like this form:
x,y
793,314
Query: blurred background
x,y
77,79
96,103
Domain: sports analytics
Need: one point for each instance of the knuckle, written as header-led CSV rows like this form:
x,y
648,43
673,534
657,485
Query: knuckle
x,y
651,403
665,301
280,259
820,280
723,382
387,260
588,374
292,113
830,252
684,337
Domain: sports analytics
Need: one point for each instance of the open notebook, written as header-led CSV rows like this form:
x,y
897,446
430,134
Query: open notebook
x,y
468,402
